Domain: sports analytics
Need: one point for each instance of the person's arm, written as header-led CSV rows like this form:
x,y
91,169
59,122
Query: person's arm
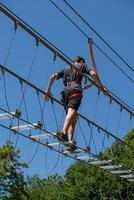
x,y
54,77
51,81
98,82
96,79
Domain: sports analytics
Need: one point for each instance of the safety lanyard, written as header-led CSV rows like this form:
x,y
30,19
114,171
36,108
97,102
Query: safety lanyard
x,y
92,55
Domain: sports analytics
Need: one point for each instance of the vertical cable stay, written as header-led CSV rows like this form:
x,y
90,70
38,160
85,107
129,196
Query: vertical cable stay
x,y
108,113
5,90
24,101
30,70
119,120
3,75
79,125
95,112
42,109
103,147
106,126
33,60
91,138
6,99
42,120
2,69
17,134
11,43
55,117
35,153
42,123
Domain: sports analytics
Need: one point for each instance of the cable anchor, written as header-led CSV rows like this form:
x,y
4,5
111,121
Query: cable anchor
x,y
15,25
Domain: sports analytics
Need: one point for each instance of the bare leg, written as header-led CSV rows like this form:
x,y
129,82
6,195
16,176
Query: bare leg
x,y
71,130
69,122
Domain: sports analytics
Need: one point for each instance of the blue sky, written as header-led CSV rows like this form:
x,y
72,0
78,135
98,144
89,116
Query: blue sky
x,y
111,19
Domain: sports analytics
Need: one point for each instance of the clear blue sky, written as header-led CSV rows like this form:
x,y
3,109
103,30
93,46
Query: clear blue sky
x,y
113,20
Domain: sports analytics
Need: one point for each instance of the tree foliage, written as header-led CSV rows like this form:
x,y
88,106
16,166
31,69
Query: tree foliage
x,y
12,182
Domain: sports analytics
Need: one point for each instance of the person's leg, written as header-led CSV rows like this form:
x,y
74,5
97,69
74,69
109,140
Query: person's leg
x,y
71,129
69,122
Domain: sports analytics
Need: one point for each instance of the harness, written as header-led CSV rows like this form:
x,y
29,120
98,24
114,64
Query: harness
x,y
71,82
74,94
66,95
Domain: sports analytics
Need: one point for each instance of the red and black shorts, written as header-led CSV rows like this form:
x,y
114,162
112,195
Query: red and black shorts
x,y
73,100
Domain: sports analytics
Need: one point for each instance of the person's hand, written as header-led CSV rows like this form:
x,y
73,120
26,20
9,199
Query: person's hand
x,y
105,91
47,95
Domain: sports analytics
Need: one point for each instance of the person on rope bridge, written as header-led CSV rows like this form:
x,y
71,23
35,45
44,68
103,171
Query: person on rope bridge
x,y
72,95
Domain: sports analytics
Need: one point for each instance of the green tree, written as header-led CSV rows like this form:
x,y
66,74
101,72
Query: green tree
x,y
121,153
12,183
44,189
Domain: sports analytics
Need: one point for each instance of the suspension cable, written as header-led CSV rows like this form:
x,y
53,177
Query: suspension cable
x,y
92,41
85,21
10,45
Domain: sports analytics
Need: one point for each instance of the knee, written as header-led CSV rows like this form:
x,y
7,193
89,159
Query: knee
x,y
71,113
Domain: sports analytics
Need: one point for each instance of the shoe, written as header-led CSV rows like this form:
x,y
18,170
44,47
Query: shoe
x,y
62,137
71,146
72,142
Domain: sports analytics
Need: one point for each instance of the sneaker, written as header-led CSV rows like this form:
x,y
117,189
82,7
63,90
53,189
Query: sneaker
x,y
72,142
71,146
62,137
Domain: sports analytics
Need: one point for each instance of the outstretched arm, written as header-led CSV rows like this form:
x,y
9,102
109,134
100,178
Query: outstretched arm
x,y
48,90
98,82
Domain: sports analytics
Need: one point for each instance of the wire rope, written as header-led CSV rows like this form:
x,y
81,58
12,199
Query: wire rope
x,y
85,21
106,55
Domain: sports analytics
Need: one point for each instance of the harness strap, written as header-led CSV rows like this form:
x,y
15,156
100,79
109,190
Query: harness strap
x,y
70,82
74,94
87,86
